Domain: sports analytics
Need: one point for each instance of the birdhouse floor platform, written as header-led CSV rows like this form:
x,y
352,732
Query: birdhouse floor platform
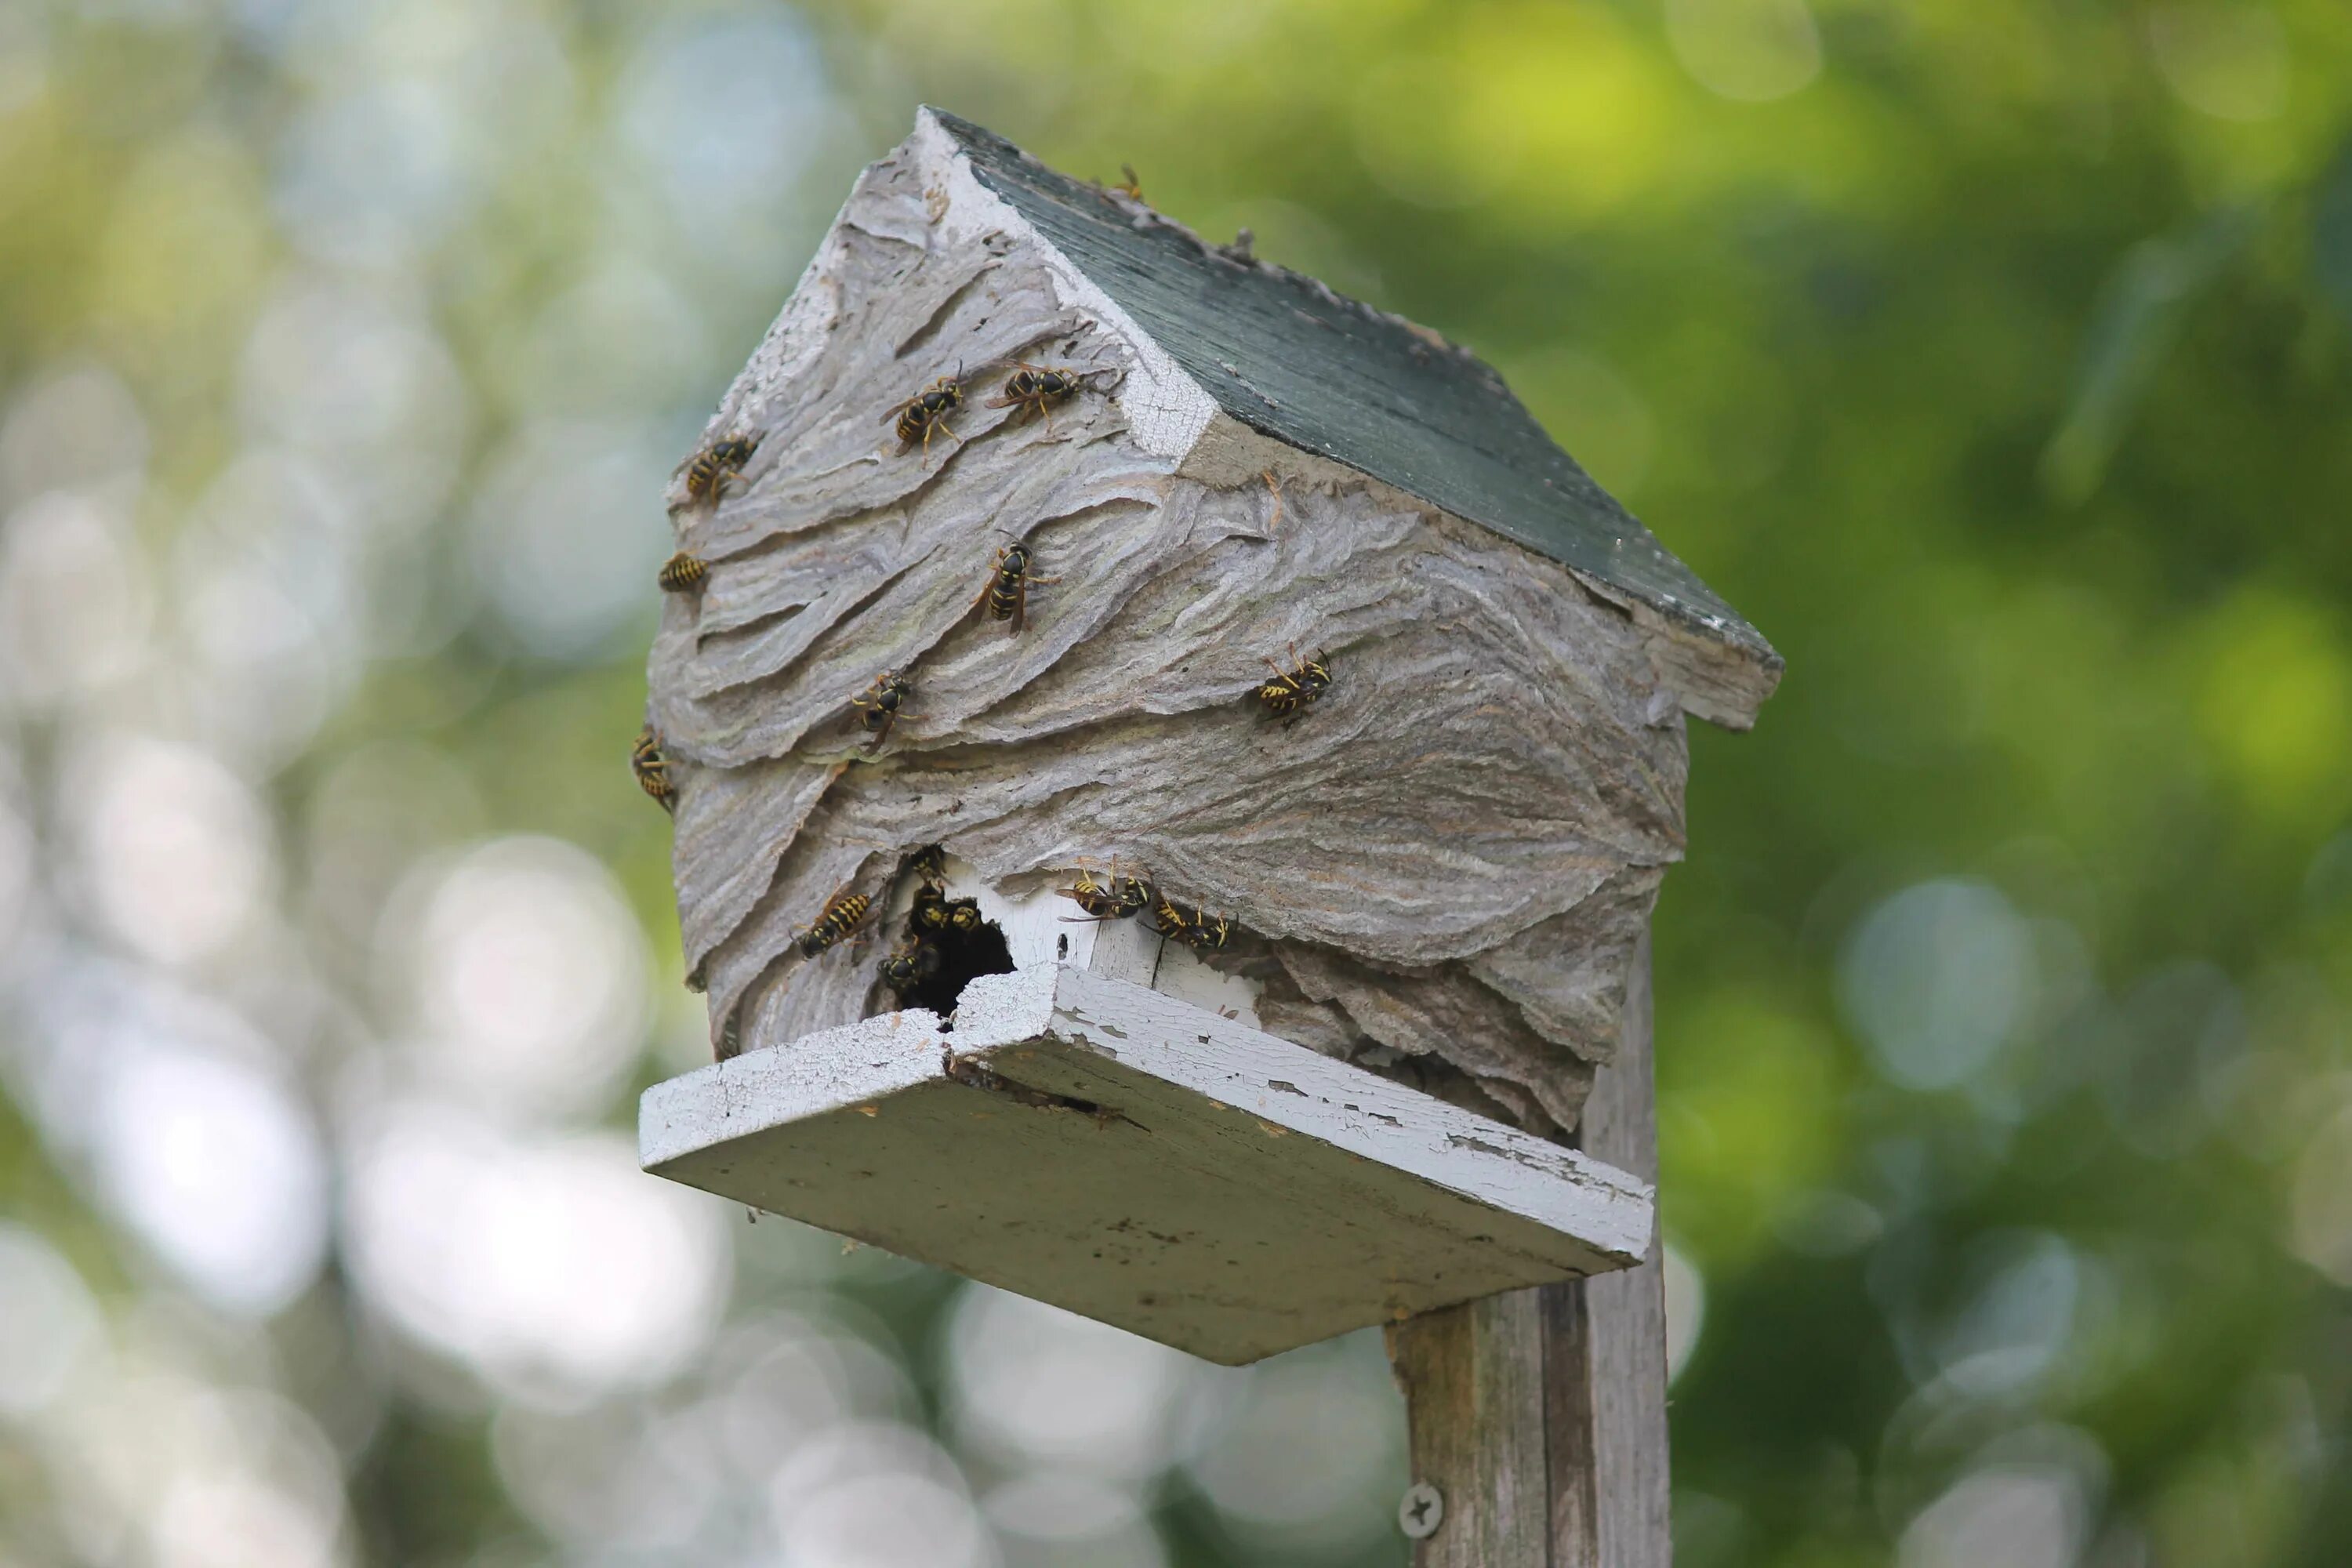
x,y
1143,1162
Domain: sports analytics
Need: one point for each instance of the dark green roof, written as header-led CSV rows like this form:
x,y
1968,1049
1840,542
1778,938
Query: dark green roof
x,y
1286,355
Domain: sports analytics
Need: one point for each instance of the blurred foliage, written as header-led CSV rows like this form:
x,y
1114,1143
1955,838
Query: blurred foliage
x,y
1994,356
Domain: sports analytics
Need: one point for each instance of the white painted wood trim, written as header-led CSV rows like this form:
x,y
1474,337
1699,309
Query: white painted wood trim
x,y
1283,1085
1369,1116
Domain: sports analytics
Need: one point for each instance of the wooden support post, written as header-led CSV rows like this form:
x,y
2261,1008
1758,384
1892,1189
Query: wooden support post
x,y
1539,1417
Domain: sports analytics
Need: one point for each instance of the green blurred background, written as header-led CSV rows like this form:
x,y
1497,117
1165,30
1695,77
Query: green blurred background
x,y
1994,356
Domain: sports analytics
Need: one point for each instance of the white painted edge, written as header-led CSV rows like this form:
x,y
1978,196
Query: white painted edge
x,y
1181,973
1286,1084
1282,1084
833,1069
1123,949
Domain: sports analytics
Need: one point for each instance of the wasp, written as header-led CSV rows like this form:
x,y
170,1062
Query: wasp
x,y
682,574
1113,898
1132,186
1007,593
908,966
1037,388
931,864
652,768
1293,691
715,465
928,410
934,911
842,913
880,704
1195,927
1206,935
929,912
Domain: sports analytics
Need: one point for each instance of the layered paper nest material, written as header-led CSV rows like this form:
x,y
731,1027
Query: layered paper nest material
x,y
1447,862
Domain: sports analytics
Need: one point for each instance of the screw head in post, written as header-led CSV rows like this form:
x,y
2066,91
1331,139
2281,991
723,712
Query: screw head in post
x,y
1421,1511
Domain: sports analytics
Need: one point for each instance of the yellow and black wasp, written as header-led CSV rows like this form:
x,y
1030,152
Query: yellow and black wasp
x,y
652,768
928,410
1293,691
682,574
716,464
1007,593
930,864
1037,388
935,913
842,913
1112,897
1195,927
908,966
880,705
1131,188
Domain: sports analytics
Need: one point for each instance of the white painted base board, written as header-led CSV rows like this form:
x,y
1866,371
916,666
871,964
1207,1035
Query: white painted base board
x,y
1145,1162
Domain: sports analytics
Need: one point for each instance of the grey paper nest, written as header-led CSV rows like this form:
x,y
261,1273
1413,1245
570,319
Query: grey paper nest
x,y
1444,867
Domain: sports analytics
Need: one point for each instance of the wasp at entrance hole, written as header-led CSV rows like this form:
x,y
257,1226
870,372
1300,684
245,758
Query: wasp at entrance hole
x,y
1111,897
1194,927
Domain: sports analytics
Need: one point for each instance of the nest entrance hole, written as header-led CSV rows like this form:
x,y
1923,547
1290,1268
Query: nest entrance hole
x,y
964,956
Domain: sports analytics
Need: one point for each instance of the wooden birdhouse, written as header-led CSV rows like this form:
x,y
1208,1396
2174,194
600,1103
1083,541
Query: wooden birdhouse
x,y
1171,769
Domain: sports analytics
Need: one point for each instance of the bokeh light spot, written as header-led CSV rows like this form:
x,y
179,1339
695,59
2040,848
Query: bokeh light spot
x,y
1306,1452
2273,681
218,1167
2016,1518
878,1495
1685,1292
1060,1520
550,1263
2229,60
1749,50
1936,979
2321,1222
561,535
77,427
51,1321
1034,1384
720,109
74,602
529,969
363,387
175,848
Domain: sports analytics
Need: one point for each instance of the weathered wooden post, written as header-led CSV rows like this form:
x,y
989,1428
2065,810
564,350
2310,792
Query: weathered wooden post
x,y
1172,768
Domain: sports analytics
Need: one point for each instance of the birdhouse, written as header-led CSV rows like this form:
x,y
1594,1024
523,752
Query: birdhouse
x,y
1172,770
